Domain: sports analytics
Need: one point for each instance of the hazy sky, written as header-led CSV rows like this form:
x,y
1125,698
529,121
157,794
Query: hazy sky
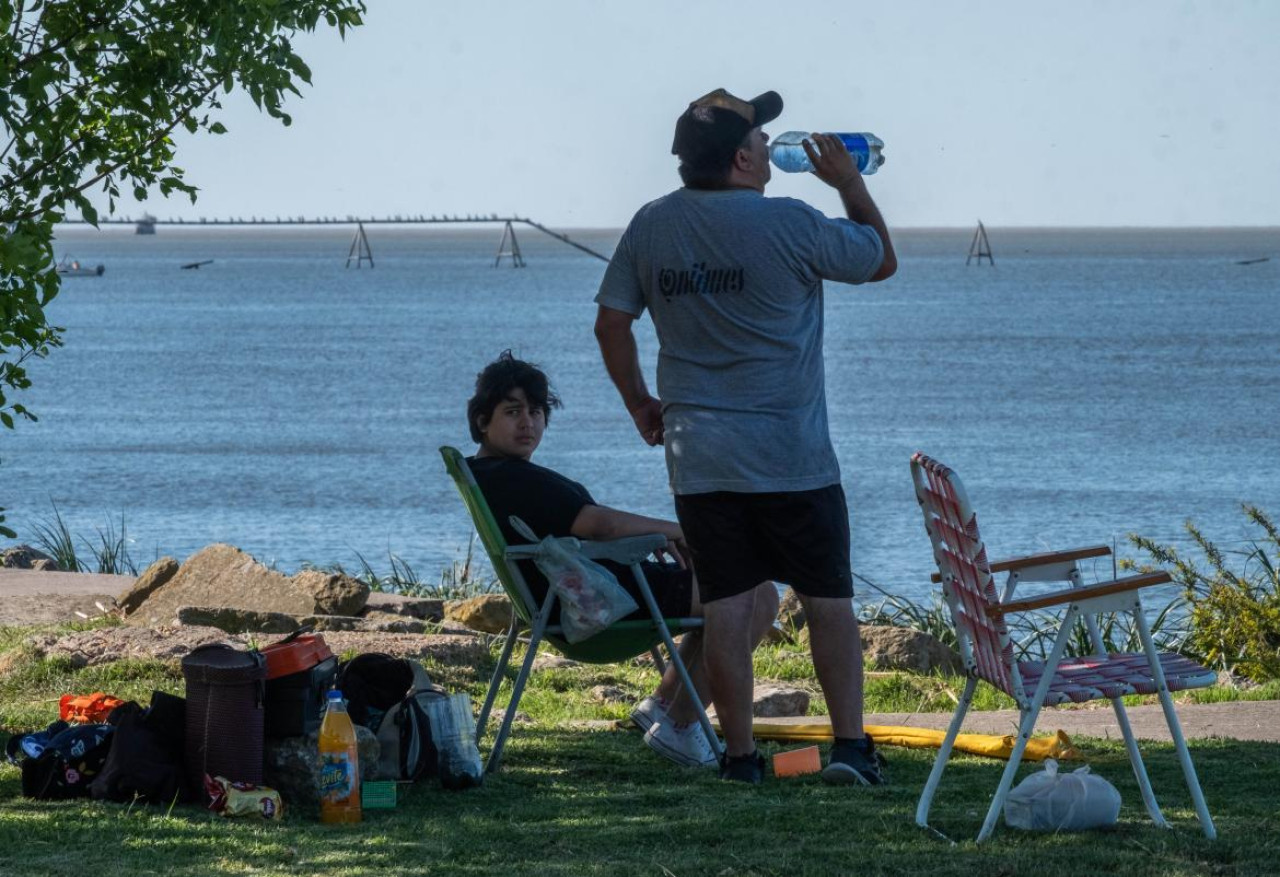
x,y
1021,113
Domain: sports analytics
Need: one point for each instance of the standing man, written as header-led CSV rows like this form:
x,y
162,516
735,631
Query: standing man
x,y
733,283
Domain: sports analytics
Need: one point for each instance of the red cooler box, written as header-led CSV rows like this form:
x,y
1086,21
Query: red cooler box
x,y
300,671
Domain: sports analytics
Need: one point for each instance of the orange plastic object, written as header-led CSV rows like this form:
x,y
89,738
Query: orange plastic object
x,y
295,655
795,762
87,708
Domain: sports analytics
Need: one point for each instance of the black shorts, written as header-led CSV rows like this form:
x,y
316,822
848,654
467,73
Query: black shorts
x,y
739,540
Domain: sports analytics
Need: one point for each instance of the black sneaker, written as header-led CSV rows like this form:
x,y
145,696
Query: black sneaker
x,y
743,768
856,762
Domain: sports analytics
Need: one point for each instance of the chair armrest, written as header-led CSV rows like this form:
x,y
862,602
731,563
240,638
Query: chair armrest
x,y
1076,595
629,550
1049,557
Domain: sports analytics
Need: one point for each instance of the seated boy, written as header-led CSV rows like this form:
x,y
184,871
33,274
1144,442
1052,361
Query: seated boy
x,y
507,415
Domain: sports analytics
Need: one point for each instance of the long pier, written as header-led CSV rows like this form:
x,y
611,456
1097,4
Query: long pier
x,y
360,250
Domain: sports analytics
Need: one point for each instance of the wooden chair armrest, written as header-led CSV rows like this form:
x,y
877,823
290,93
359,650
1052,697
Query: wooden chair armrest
x,y
1073,595
1049,557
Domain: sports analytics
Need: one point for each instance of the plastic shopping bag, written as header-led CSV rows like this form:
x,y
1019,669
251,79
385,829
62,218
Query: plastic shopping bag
x,y
590,597
1050,801
453,731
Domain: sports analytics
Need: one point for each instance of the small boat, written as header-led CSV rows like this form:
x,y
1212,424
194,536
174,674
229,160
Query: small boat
x,y
69,267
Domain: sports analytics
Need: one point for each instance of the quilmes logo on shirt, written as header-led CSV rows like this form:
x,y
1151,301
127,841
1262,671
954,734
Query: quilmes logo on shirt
x,y
699,279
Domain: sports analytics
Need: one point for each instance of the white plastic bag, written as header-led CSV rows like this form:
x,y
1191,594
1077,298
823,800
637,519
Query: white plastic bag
x,y
1051,801
590,597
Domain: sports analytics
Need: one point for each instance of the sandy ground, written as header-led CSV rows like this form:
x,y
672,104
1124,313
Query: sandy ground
x,y
28,597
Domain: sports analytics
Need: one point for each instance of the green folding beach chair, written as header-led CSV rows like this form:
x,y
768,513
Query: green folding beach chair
x,y
620,641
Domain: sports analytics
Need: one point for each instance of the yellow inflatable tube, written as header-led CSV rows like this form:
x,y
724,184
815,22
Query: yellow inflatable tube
x,y
1057,746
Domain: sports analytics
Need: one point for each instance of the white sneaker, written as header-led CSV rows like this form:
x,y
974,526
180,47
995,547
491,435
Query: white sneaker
x,y
648,713
685,746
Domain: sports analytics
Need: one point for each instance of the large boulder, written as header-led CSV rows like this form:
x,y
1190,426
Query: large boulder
x,y
424,608
152,578
252,621
334,593
791,612
224,576
886,647
488,614
769,700
26,557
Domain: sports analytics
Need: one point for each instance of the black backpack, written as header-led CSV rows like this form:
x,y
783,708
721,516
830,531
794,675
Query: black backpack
x,y
61,761
388,695
146,758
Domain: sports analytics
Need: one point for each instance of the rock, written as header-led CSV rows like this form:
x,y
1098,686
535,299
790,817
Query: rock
x,y
26,557
791,612
291,766
398,604
553,662
392,623
488,614
499,713
170,643
223,575
886,647
334,593
771,701
153,577
776,634
249,621
237,620
609,694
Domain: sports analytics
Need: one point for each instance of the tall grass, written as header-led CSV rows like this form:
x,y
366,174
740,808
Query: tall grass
x,y
109,553
1033,633
460,580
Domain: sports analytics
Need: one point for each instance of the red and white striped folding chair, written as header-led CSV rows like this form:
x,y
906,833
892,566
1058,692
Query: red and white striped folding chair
x,y
979,619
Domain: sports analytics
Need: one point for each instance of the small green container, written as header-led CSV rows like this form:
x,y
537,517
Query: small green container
x,y
378,795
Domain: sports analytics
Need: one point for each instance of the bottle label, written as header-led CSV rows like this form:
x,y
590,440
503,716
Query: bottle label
x,y
335,777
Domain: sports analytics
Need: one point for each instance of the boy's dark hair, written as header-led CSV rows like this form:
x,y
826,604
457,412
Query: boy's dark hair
x,y
495,383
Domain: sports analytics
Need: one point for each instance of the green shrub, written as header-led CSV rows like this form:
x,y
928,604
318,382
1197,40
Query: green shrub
x,y
1235,615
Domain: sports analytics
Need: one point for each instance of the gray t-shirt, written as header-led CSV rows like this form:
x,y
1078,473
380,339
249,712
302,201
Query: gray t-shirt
x,y
733,282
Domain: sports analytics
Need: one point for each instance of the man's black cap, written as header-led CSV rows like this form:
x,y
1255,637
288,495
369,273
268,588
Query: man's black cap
x,y
715,124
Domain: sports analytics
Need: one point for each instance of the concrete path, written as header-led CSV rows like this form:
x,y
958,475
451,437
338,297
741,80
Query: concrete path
x,y
1240,720
29,597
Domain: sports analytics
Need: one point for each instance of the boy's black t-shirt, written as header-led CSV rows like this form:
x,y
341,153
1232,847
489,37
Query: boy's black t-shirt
x,y
549,503
545,500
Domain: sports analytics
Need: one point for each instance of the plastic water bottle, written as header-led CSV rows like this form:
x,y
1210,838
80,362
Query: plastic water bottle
x,y
339,764
788,155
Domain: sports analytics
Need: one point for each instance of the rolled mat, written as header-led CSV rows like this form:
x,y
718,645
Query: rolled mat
x,y
1058,745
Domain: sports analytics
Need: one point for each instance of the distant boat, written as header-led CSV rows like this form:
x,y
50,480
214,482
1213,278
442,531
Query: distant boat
x,y
70,267
1254,261
145,225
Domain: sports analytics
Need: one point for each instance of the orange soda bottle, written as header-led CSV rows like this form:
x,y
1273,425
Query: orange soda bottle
x,y
339,764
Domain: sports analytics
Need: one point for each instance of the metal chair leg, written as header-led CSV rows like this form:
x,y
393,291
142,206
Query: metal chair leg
x,y
1030,713
1175,728
944,753
678,662
535,638
496,682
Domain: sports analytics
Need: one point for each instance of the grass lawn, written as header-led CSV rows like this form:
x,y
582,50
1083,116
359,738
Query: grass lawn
x,y
571,800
